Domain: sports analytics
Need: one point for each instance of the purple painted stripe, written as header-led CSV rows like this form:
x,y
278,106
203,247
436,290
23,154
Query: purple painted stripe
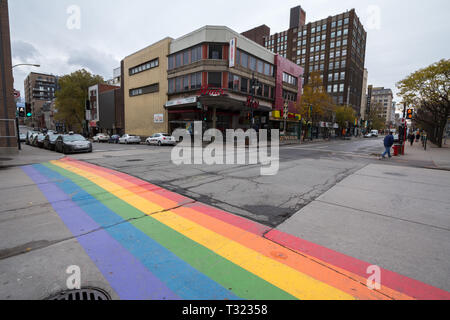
x,y
126,275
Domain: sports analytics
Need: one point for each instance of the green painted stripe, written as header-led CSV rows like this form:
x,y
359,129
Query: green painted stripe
x,y
240,281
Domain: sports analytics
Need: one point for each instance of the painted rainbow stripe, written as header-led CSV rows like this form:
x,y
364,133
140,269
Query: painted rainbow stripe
x,y
150,243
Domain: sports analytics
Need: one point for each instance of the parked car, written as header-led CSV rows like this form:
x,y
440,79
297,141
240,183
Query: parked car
x,y
114,139
38,140
375,133
30,137
50,141
72,143
161,139
23,137
369,135
396,138
101,137
126,138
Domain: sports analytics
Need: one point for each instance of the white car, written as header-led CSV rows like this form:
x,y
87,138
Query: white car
x,y
127,139
161,139
100,137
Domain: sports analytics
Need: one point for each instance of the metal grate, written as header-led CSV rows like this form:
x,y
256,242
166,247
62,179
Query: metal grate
x,y
81,295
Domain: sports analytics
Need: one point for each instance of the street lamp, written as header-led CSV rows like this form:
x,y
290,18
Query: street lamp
x,y
27,64
255,86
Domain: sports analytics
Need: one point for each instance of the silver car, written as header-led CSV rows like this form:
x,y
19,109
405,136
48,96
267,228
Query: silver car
x,y
127,139
161,139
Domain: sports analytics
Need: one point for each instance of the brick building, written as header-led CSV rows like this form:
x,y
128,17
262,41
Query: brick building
x,y
8,140
40,89
335,47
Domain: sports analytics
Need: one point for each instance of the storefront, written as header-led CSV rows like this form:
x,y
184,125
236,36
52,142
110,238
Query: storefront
x,y
220,111
293,125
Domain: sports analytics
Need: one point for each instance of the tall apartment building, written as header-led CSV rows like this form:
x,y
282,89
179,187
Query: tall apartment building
x,y
8,141
40,89
335,47
384,98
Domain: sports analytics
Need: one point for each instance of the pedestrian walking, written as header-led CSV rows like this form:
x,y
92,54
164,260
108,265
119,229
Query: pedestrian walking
x,y
417,136
411,138
388,143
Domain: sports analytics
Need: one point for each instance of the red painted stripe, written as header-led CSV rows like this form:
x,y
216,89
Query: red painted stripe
x,y
239,222
141,183
395,281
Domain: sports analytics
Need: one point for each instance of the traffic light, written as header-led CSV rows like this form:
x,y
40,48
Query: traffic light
x,y
410,114
21,112
28,110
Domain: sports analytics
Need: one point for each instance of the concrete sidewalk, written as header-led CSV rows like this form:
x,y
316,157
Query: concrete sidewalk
x,y
28,155
438,157
395,217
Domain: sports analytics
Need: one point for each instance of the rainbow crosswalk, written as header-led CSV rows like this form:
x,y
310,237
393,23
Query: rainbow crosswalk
x,y
150,243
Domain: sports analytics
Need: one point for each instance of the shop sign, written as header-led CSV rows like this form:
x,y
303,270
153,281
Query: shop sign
x,y
181,102
232,55
159,118
206,90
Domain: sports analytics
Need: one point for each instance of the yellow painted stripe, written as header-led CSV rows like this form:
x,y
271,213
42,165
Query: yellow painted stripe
x,y
290,280
274,272
129,197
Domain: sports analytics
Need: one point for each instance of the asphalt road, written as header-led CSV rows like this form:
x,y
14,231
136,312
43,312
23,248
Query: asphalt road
x,y
306,172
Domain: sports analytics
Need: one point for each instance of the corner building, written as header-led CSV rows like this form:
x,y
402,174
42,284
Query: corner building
x,y
214,71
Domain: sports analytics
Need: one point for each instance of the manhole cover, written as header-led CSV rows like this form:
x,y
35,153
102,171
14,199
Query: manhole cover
x,y
135,160
81,295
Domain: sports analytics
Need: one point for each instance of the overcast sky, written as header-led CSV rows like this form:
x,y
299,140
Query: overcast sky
x,y
403,35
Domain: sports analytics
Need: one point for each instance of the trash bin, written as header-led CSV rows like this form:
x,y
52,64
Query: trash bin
x,y
396,150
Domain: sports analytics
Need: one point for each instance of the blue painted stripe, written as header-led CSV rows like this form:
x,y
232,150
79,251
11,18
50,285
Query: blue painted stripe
x,y
126,275
178,275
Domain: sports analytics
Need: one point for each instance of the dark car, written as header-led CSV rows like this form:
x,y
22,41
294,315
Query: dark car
x,y
38,140
72,143
50,141
114,139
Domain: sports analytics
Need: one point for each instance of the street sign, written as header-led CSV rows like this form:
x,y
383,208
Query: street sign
x,y
286,111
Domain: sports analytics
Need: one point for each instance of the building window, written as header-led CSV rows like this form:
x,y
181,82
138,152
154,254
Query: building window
x,y
244,60
244,85
144,90
186,83
341,88
215,79
144,67
215,52
185,57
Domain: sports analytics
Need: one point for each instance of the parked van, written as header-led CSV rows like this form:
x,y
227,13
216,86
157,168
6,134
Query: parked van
x,y
374,133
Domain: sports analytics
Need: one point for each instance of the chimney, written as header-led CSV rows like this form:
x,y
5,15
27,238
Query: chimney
x,y
298,17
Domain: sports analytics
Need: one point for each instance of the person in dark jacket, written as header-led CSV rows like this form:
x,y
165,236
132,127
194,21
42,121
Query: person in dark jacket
x,y
388,143
411,138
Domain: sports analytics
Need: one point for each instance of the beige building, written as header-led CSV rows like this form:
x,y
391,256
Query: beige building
x,y
145,88
384,97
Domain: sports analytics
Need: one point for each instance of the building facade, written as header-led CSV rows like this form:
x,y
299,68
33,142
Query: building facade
x,y
219,77
40,89
335,47
383,98
101,115
8,137
145,88
364,95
